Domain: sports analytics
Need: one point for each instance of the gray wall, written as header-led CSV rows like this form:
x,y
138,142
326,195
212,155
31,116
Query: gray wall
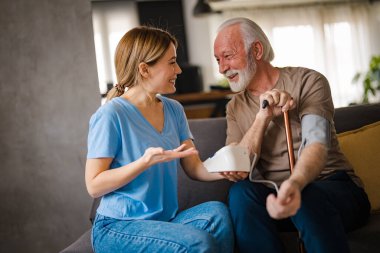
x,y
48,90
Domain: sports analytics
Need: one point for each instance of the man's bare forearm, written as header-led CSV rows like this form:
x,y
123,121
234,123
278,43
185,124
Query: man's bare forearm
x,y
309,165
255,134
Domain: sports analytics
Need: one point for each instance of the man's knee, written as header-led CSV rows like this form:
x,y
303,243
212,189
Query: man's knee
x,y
316,210
239,189
247,193
313,200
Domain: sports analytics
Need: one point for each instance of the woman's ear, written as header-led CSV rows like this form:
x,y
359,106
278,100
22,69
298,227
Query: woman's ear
x,y
144,69
257,50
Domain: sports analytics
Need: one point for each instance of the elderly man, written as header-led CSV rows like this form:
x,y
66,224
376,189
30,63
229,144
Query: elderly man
x,y
322,197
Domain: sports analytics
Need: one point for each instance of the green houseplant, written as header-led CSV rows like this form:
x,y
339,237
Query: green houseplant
x,y
370,79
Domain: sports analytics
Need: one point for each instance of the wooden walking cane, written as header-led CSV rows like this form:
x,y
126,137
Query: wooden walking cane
x,y
289,141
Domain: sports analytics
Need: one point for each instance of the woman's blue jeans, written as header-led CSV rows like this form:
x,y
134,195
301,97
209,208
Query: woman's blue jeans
x,y
204,228
329,208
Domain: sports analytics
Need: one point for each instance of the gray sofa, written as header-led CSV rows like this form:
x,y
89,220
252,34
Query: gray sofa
x,y
210,134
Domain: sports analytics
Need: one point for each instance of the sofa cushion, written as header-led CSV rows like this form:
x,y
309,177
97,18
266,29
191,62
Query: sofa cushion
x,y
362,147
366,239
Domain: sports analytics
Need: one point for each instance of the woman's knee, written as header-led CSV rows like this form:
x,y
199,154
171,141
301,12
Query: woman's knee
x,y
214,222
219,215
217,208
202,242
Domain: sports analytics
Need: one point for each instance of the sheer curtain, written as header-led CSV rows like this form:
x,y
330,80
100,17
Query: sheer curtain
x,y
332,39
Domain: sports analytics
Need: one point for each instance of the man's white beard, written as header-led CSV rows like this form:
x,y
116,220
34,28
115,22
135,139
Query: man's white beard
x,y
245,76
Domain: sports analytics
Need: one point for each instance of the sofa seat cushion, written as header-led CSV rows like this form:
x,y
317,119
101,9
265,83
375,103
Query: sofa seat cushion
x,y
362,147
366,239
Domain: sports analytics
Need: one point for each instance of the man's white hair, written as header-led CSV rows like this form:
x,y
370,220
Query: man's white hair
x,y
251,32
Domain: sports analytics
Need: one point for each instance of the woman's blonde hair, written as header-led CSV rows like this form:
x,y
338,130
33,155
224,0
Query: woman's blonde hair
x,y
141,44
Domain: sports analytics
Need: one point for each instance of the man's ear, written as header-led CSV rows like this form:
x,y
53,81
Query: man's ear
x,y
257,50
144,69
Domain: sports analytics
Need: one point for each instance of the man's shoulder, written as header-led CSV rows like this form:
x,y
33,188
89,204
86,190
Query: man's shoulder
x,y
300,71
304,77
240,97
241,103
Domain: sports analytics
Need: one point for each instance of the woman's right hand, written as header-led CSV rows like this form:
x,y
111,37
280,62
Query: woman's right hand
x,y
101,180
158,155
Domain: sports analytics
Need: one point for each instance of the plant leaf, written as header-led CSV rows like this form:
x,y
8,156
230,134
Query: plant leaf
x,y
356,77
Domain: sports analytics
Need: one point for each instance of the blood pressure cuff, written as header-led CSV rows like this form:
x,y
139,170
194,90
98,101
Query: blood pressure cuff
x,y
314,129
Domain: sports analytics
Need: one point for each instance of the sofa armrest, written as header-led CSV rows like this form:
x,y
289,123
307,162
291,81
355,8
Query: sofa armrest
x,y
82,245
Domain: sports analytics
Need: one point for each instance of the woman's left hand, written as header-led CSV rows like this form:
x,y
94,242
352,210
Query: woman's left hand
x,y
158,155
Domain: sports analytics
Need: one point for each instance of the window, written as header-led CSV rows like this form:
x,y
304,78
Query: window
x,y
110,22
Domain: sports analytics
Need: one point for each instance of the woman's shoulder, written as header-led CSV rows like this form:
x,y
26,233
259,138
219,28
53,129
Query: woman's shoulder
x,y
110,109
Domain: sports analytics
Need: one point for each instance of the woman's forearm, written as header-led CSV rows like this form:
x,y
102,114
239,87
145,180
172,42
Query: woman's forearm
x,y
108,180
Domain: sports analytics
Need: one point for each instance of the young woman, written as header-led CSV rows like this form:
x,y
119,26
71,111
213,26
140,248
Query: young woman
x,y
135,143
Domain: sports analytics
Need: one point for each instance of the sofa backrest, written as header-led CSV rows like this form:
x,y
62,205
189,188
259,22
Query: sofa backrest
x,y
209,136
356,116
